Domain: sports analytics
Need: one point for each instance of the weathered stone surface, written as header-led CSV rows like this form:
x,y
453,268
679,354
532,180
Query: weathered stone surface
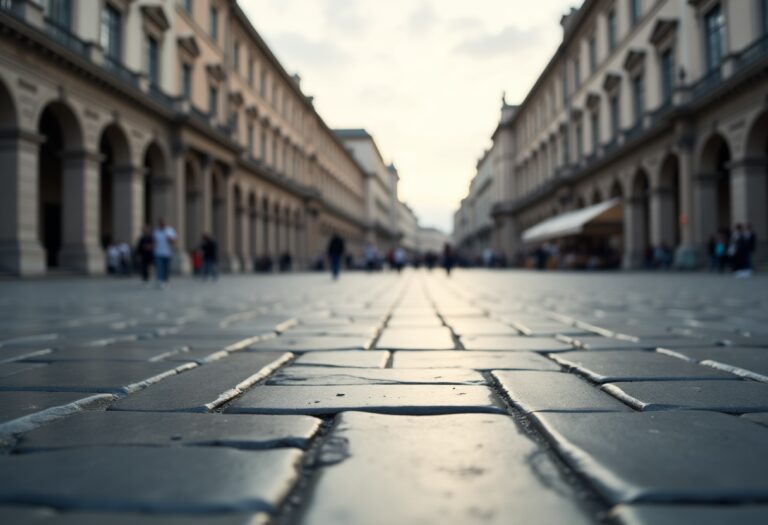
x,y
456,469
385,399
207,386
92,376
663,456
467,326
21,411
596,342
345,359
312,344
473,360
722,396
9,355
417,321
113,353
9,369
515,344
167,479
690,514
144,428
314,376
416,339
44,516
628,365
741,361
554,391
759,417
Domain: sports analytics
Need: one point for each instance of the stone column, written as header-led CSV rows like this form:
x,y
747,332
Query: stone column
x,y
687,255
274,237
254,232
749,190
205,219
170,198
128,199
705,210
244,242
635,223
228,261
663,220
20,249
80,211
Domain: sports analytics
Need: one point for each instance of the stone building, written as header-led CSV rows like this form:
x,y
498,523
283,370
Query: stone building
x,y
408,228
658,104
114,113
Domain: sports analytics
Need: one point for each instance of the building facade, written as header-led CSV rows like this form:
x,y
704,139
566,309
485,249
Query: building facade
x,y
114,113
659,104
408,229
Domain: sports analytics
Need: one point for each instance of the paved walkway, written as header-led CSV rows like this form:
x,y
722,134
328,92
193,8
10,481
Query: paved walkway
x,y
489,397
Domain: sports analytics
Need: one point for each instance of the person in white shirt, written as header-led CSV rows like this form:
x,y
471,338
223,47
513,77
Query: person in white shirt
x,y
164,239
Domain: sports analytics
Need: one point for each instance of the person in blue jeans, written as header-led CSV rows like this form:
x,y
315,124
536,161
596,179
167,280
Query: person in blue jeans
x,y
335,254
164,239
210,258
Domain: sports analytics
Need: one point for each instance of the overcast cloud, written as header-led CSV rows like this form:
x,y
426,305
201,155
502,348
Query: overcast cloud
x,y
424,77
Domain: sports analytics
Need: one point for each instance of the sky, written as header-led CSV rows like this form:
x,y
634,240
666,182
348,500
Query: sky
x,y
424,77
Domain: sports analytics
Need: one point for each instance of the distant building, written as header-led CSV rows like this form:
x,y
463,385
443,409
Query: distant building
x,y
656,106
432,240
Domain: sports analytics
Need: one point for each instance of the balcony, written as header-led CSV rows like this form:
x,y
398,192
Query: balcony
x,y
65,37
754,53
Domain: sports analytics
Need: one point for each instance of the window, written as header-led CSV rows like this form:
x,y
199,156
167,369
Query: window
x,y
153,61
112,32
595,124
638,92
714,25
188,6
667,75
274,152
263,147
250,72
565,89
263,84
615,116
579,141
592,54
566,148
635,11
214,21
213,101
612,33
274,94
235,122
765,16
250,139
236,56
186,81
576,73
59,12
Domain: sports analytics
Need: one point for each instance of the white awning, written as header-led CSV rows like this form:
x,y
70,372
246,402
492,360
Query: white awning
x,y
602,218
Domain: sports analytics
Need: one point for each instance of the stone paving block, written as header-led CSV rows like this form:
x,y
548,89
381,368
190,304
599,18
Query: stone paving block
x,y
345,359
10,355
207,386
441,470
318,376
535,391
344,330
405,321
596,342
143,479
741,361
690,514
92,376
720,396
663,456
24,410
416,339
758,417
44,516
111,353
515,344
474,360
629,365
385,399
469,326
149,429
287,343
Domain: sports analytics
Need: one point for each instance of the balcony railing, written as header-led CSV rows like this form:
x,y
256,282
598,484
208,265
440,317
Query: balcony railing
x,y
116,67
159,95
755,52
707,83
65,37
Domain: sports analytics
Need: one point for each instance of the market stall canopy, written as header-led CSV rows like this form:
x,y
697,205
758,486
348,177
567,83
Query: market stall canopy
x,y
604,218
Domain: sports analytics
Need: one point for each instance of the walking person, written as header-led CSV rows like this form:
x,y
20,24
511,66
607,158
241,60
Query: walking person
x,y
448,259
750,244
210,251
164,238
335,253
145,252
400,258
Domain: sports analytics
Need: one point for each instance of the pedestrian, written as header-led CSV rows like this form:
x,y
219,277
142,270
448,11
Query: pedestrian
x,y
448,259
720,252
164,238
750,240
399,258
210,250
711,246
145,252
335,252
113,259
371,256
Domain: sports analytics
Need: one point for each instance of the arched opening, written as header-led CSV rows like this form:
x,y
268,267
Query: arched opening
x,y
239,247
192,204
265,226
580,202
7,110
253,230
61,133
756,183
715,163
638,219
597,197
218,207
155,179
278,237
669,202
113,147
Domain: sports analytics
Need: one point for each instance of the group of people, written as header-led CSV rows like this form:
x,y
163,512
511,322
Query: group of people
x,y
733,249
155,248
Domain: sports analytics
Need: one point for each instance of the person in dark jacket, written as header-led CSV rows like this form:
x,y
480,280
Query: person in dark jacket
x,y
335,253
210,251
145,251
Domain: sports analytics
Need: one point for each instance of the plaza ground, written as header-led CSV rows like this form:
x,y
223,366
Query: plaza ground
x,y
486,397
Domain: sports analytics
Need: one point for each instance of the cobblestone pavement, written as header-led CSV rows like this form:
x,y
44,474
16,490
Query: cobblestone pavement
x,y
487,397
